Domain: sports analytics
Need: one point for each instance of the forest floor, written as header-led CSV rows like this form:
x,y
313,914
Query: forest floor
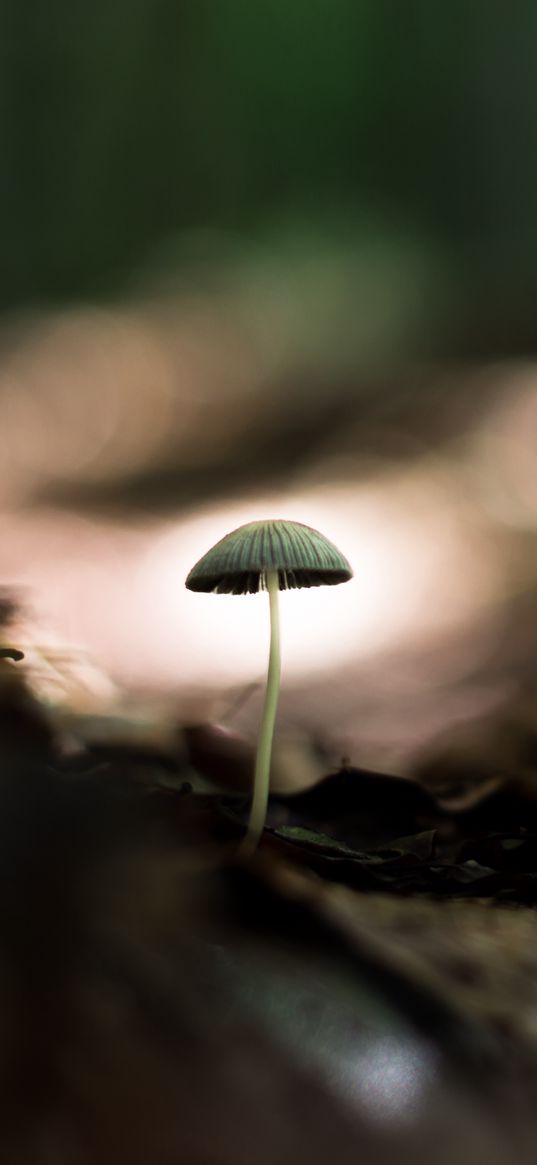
x,y
382,940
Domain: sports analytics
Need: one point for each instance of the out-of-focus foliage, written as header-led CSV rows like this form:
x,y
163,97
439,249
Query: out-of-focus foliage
x,y
242,243
123,125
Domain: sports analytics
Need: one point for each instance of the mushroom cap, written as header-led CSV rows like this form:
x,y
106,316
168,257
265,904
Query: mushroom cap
x,y
239,563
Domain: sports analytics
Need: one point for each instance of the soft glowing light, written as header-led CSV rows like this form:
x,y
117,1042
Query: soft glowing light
x,y
407,547
391,1078
118,591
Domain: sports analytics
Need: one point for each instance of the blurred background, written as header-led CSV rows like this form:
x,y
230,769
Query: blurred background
x,y
273,259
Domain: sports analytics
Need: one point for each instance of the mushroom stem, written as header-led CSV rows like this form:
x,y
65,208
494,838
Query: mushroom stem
x,y
258,811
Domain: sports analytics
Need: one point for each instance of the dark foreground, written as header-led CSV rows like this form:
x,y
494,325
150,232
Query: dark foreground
x,y
365,990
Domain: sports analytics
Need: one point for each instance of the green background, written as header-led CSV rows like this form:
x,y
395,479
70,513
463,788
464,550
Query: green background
x,y
124,125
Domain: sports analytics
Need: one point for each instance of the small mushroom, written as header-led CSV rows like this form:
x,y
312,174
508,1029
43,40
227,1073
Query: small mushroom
x,y
272,556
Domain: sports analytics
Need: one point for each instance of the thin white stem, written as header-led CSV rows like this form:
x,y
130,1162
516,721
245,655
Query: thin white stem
x,y
258,811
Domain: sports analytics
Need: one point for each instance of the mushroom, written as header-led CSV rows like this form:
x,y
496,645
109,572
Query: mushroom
x,y
271,555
